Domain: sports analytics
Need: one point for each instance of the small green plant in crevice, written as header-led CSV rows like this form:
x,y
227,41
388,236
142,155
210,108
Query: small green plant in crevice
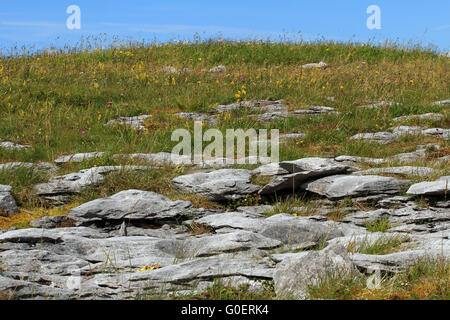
x,y
337,286
196,229
379,225
382,245
110,264
248,200
426,279
322,242
221,290
297,205
261,180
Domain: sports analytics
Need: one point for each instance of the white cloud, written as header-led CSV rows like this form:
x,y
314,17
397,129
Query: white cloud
x,y
31,24
444,27
170,28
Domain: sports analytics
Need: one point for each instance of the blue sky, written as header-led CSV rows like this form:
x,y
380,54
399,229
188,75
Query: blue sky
x,y
42,24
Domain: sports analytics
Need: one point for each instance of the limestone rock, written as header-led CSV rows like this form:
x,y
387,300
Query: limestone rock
x,y
74,183
406,170
315,110
396,262
8,205
197,117
433,188
438,133
79,157
224,184
378,105
401,131
352,159
29,165
13,146
133,122
294,274
340,186
51,222
169,69
303,170
132,206
426,116
441,103
229,242
217,69
378,137
271,169
320,65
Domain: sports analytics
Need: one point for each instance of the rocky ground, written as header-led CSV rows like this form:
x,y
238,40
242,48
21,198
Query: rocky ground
x,y
136,243
94,206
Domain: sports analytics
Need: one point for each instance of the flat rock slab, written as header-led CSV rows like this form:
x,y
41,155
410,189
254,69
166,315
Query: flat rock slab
x,y
405,170
13,146
295,273
132,205
401,131
83,263
239,240
73,183
409,215
217,69
315,110
340,186
442,102
399,261
158,159
407,157
285,113
317,165
378,105
303,170
271,169
79,157
197,117
438,133
8,205
353,159
50,222
426,116
224,184
434,188
378,137
132,122
199,272
320,65
28,165
171,159
256,105
283,227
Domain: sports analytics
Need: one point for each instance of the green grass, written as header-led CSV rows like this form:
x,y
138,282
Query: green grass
x,y
49,99
22,181
383,245
425,280
59,103
379,225
220,290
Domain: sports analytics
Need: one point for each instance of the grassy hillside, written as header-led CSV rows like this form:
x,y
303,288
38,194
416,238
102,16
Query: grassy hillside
x,y
47,101
59,102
